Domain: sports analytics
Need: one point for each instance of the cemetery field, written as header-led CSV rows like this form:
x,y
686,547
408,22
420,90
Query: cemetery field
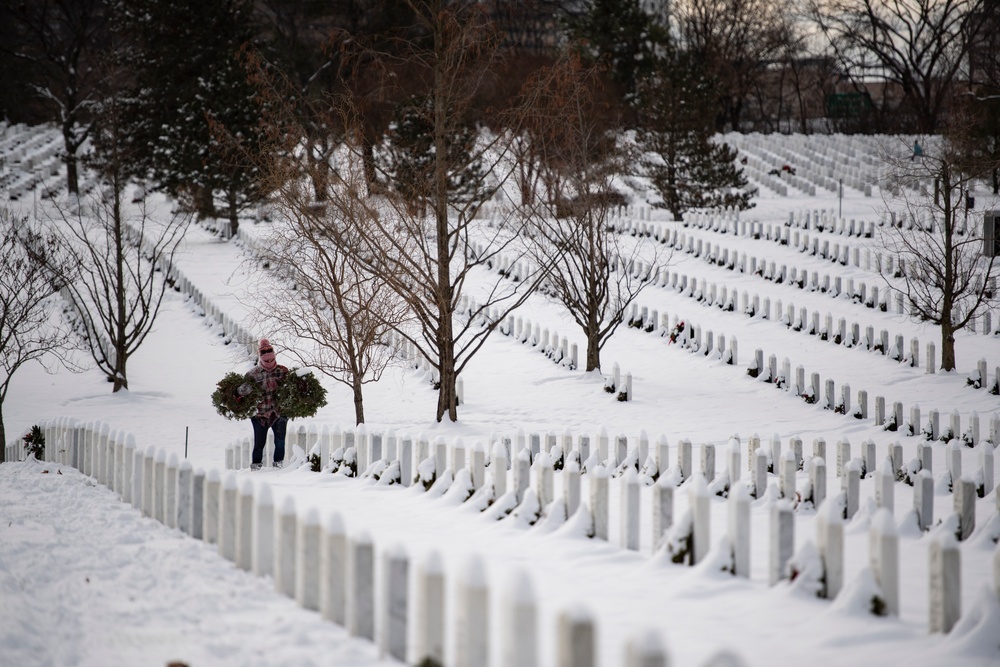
x,y
756,444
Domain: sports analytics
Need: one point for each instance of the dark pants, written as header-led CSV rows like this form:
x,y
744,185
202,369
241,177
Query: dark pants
x,y
260,426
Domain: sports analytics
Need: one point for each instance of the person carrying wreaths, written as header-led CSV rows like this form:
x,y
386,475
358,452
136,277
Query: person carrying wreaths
x,y
268,376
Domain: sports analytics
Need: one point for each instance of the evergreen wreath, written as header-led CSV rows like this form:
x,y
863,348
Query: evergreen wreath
x,y
228,402
34,442
300,395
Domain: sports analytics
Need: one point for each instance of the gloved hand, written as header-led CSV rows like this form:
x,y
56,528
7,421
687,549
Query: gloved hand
x,y
244,389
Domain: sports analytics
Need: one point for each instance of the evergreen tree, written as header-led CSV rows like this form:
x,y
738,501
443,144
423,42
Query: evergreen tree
x,y
687,166
619,34
190,98
410,156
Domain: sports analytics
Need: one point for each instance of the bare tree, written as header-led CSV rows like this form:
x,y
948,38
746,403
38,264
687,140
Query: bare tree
x,y
576,149
938,241
61,41
431,261
338,311
919,46
121,256
734,39
28,330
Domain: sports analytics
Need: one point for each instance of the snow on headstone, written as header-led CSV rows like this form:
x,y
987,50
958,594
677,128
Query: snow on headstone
x,y
599,507
429,612
522,474
663,509
185,491
734,460
210,513
851,482
953,460
701,516
478,467
440,457
986,464
286,548
830,541
472,616
685,462
571,486
518,627
227,517
333,570
708,461
197,501
885,486
895,458
133,462
883,552
739,528
498,466
244,526
923,499
964,491
170,493
782,534
759,473
620,452
786,475
646,650
819,448
262,533
753,444
159,485
945,583
361,587
577,639
868,457
543,476
405,461
630,519
307,560
925,456
395,598
817,480
662,453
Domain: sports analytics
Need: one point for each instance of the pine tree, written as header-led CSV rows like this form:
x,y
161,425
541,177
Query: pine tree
x,y
190,98
687,166
618,34
410,155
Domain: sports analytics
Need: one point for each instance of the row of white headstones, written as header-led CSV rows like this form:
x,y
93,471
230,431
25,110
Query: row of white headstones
x,y
330,571
533,494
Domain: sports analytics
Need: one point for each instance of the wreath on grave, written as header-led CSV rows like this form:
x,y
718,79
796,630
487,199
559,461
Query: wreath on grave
x,y
230,403
34,442
675,332
300,394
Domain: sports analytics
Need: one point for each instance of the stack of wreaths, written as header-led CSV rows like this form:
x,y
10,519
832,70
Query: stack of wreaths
x,y
299,395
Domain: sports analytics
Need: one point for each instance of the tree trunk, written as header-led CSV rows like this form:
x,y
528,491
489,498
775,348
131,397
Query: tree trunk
x,y
368,159
447,391
234,218
72,179
593,352
947,347
3,437
120,381
203,202
359,404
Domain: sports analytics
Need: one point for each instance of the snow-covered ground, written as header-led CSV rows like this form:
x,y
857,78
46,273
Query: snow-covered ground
x,y
86,580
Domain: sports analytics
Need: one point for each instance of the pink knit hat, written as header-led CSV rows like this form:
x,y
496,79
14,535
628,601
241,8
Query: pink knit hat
x,y
265,350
